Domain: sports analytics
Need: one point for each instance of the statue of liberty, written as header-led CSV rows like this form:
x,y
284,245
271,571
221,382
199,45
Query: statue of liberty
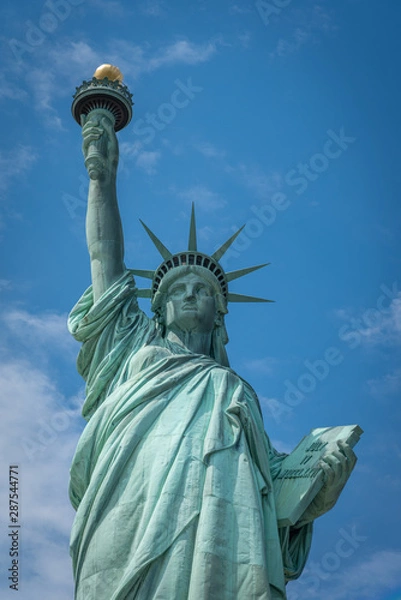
x,y
173,476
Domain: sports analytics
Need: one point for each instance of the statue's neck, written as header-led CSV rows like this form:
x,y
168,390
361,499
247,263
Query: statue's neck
x,y
198,343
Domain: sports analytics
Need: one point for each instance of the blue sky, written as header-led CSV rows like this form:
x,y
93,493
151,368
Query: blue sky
x,y
292,128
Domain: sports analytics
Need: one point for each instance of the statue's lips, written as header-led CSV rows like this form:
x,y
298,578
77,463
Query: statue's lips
x,y
189,307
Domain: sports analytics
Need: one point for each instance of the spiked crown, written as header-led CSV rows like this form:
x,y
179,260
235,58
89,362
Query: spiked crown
x,y
192,256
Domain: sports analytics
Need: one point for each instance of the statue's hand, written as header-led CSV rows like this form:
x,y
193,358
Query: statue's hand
x,y
337,466
100,147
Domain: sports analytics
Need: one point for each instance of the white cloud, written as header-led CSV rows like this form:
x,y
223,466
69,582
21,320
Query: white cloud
x,y
144,159
292,44
244,39
38,432
209,150
183,52
203,198
153,8
111,8
369,579
41,331
5,284
147,161
308,23
281,446
174,148
130,149
262,184
252,176
206,233
44,84
265,365
375,327
386,385
9,90
132,59
236,9
15,163
77,60
67,58
276,409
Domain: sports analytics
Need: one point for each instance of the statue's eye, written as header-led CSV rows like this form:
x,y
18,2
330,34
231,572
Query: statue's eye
x,y
203,290
177,290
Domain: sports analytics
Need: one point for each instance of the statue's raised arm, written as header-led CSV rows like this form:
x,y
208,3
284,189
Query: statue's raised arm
x,y
103,223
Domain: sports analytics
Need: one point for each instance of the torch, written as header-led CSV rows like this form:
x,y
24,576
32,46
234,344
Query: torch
x,y
103,97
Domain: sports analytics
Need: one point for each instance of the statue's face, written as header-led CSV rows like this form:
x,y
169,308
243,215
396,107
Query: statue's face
x,y
190,305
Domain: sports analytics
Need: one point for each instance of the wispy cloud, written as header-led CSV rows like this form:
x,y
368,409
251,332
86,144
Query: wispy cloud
x,y
208,150
147,161
239,9
262,184
111,8
266,365
373,326
281,446
306,25
15,163
183,52
244,39
77,60
5,284
387,385
10,90
292,44
80,55
143,159
45,89
203,197
153,8
39,429
132,59
277,409
371,578
41,331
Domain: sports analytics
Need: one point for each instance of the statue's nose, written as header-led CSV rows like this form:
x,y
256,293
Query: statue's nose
x,y
189,293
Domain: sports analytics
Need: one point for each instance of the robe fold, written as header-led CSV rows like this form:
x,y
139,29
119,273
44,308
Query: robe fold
x,y
172,479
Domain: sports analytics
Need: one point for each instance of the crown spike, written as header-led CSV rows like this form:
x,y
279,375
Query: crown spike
x,y
143,273
166,254
241,298
223,249
241,272
192,243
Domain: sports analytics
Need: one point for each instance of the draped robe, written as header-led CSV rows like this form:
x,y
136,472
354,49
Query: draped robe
x,y
172,477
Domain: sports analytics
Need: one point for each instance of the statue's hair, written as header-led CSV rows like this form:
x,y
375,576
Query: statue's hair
x,y
219,334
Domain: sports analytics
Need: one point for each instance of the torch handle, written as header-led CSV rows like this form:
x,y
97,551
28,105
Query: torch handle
x,y
96,158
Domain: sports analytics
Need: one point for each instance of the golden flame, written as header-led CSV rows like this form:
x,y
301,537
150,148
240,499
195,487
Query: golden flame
x,y
110,71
